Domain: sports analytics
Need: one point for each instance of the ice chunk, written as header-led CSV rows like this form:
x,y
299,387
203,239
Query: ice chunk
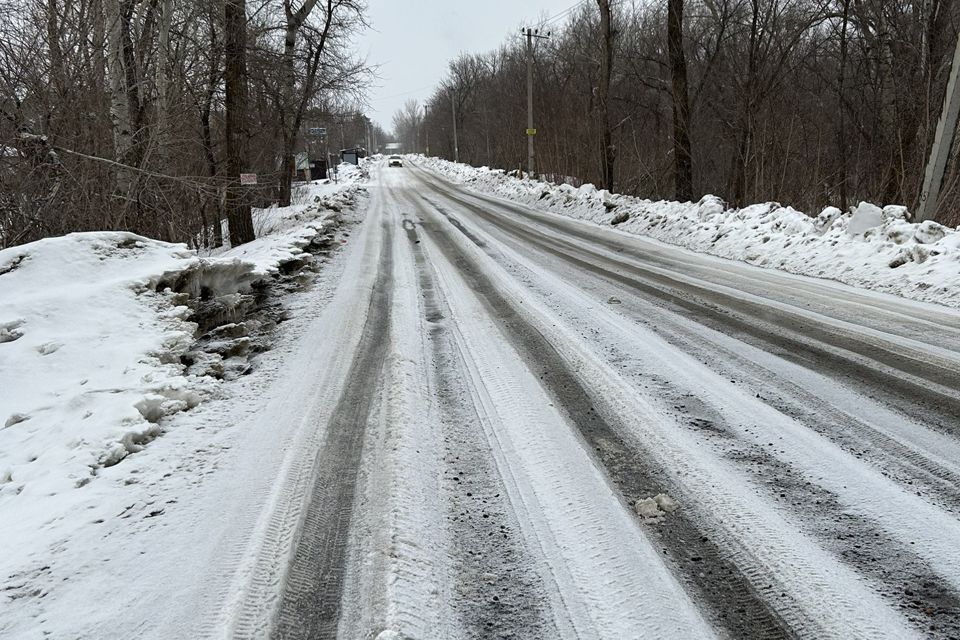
x,y
929,232
827,217
666,503
710,206
648,509
865,217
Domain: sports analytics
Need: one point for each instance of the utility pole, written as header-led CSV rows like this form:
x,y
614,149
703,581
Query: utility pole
x,y
531,34
942,142
426,131
456,145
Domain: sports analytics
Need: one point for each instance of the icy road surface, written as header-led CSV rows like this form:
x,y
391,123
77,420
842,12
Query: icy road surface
x,y
539,428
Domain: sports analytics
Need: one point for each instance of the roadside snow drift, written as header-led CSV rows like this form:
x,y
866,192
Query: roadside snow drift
x,y
91,357
97,330
868,247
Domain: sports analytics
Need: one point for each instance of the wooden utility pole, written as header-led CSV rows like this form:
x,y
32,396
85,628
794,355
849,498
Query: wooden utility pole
x,y
942,143
606,70
683,175
531,131
235,80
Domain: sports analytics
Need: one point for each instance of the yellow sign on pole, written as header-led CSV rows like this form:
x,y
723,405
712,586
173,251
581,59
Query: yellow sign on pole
x,y
531,132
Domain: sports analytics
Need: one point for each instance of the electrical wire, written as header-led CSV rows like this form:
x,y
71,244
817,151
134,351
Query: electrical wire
x,y
565,13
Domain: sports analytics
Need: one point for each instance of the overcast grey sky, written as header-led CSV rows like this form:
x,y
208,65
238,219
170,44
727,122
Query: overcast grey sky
x,y
412,41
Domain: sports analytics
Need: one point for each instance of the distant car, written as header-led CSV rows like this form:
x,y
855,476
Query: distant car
x,y
394,161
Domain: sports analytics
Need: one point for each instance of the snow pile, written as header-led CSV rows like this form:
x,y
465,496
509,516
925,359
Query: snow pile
x,y
89,361
98,335
285,234
868,247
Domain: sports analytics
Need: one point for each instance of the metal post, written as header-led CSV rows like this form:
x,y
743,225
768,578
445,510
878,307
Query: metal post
x,y
942,142
530,166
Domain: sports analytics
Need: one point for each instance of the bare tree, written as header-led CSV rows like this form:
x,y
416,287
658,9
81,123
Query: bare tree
x,y
407,124
807,102
235,54
682,153
113,113
338,20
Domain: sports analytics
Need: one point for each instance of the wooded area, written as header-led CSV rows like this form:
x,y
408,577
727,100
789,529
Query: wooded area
x,y
804,102
141,114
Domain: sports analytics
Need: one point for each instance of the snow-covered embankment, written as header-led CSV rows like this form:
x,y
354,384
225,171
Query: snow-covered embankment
x,y
106,335
868,247
95,328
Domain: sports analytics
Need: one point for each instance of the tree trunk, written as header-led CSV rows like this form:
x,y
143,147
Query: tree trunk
x,y
211,162
235,57
747,104
286,107
606,70
682,152
213,81
841,92
288,167
56,52
120,117
163,81
292,109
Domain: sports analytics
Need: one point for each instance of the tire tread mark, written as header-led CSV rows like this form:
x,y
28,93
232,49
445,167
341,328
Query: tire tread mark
x,y
310,604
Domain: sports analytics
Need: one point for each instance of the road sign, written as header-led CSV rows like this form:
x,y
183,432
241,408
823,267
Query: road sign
x,y
531,132
318,131
248,178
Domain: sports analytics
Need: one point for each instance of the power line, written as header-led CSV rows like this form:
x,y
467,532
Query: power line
x,y
405,93
565,13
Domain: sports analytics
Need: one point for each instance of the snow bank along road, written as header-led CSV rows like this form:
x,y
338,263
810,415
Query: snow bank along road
x,y
539,428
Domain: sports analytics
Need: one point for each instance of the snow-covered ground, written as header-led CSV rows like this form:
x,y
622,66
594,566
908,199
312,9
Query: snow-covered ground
x,y
542,427
100,352
867,247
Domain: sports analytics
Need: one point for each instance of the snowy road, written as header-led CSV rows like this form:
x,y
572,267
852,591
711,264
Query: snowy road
x,y
510,385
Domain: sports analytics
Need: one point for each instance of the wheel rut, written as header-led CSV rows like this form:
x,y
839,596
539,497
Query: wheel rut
x,y
311,600
800,339
910,465
702,564
899,575
499,594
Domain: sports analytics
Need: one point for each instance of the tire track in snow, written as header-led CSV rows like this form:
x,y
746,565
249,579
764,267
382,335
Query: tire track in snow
x,y
497,592
908,319
310,605
908,580
919,458
759,578
255,557
906,376
718,583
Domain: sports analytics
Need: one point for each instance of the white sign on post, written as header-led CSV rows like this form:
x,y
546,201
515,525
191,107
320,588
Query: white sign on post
x,y
248,178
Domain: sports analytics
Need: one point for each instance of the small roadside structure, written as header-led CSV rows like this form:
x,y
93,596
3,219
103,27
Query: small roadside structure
x,y
353,155
318,169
